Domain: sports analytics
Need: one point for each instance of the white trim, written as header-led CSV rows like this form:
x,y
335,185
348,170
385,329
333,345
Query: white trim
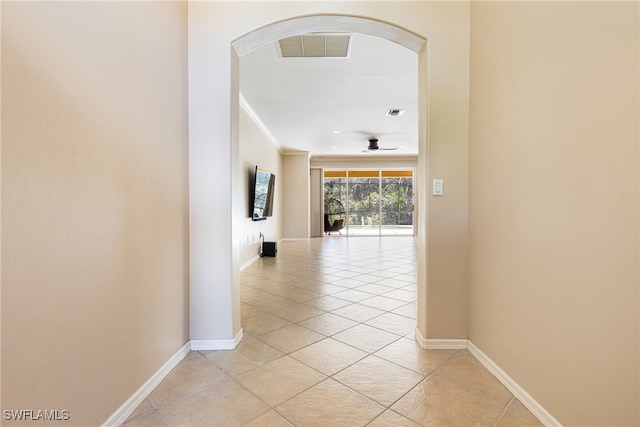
x,y
520,393
127,408
248,263
440,344
450,344
332,23
536,408
422,341
228,344
256,119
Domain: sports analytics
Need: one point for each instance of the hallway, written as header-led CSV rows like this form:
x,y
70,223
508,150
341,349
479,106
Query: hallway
x,y
328,341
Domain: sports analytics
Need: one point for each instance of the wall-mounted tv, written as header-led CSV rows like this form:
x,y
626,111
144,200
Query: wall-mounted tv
x,y
263,189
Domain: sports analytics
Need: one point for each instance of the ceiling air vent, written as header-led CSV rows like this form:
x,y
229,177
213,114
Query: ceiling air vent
x,y
332,45
395,112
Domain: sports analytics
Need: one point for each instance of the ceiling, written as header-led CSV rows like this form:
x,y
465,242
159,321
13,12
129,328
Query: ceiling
x,y
332,106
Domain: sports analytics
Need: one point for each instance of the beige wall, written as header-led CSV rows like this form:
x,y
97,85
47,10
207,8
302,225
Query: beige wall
x,y
296,208
554,202
94,201
258,150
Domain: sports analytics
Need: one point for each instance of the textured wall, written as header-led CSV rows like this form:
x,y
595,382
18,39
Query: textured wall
x,y
554,202
94,202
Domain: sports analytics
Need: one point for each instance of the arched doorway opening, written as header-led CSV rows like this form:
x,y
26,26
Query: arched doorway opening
x,y
341,23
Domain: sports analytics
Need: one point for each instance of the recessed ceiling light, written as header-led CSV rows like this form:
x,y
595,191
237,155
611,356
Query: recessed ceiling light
x,y
395,112
336,132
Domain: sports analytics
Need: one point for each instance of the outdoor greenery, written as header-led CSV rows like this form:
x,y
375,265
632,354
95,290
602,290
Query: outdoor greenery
x,y
397,201
364,199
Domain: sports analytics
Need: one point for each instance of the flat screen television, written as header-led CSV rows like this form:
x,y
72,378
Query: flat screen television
x,y
263,189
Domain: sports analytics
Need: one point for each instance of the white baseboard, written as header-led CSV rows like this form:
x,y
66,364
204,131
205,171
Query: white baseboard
x,y
228,344
451,344
440,344
520,393
248,263
536,408
127,408
419,338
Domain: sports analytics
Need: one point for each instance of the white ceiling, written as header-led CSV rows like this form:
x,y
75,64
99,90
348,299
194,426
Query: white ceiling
x,y
303,101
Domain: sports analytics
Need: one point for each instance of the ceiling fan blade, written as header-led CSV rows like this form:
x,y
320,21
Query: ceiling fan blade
x,y
373,146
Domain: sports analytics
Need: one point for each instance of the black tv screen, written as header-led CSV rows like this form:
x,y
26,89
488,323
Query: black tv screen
x,y
263,189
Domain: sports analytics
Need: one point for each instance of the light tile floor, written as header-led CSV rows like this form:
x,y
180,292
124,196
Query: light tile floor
x,y
328,341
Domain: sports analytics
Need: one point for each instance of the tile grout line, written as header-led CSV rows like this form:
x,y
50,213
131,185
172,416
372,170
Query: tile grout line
x,y
368,353
312,286
467,391
504,411
158,411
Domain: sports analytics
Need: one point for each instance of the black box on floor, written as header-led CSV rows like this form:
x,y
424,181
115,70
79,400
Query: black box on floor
x,y
269,248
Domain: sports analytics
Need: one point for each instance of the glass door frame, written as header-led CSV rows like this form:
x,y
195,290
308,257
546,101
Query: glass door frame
x,y
348,173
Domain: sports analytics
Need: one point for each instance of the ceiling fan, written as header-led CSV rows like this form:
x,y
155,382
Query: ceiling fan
x,y
373,146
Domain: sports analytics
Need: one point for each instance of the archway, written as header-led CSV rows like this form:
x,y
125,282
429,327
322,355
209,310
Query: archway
x,y
342,23
214,172
328,23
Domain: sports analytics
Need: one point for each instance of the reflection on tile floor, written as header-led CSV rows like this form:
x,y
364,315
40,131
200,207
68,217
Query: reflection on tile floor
x,y
328,341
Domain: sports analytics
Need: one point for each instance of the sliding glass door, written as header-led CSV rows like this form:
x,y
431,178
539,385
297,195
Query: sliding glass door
x,y
397,202
374,202
363,206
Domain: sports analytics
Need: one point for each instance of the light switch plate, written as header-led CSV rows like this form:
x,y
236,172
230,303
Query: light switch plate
x,y
438,187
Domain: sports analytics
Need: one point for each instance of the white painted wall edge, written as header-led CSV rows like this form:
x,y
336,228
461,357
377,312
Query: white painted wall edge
x,y
230,344
127,408
520,393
